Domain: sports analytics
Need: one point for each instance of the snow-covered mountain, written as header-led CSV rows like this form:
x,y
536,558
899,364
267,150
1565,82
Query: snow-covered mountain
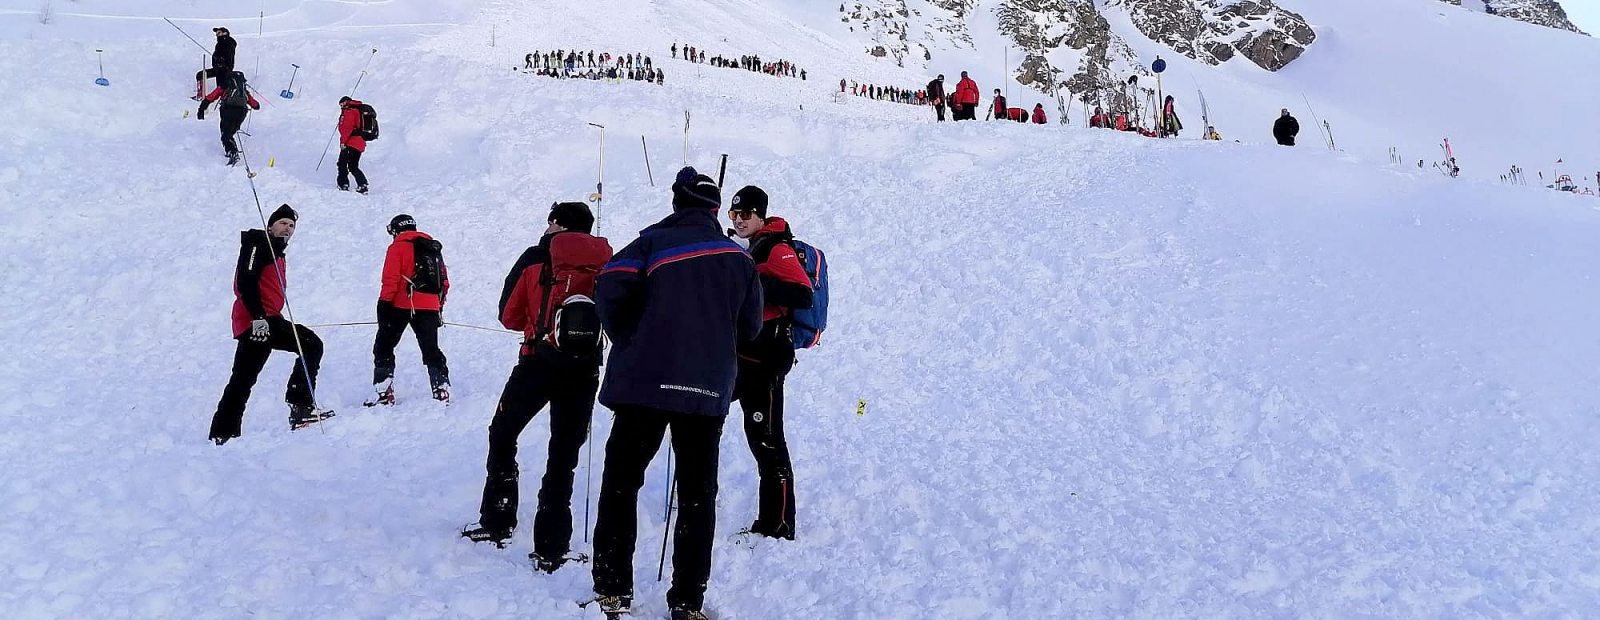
x,y
1542,12
1071,373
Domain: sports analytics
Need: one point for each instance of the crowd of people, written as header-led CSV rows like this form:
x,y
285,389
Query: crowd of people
x,y
752,63
893,94
563,64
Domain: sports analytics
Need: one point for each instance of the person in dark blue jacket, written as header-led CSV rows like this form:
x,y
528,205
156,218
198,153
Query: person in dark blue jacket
x,y
677,303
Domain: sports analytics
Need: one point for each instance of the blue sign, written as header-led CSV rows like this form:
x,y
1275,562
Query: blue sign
x,y
1159,66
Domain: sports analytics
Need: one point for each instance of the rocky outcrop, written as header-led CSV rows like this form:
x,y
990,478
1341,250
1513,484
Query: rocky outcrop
x,y
895,30
1542,12
1213,31
1040,27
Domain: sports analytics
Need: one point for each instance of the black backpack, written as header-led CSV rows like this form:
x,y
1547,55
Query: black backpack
x,y
238,95
428,276
367,125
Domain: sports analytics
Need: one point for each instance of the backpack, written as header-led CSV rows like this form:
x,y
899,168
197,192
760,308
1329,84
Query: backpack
x,y
238,95
568,316
809,323
367,123
429,273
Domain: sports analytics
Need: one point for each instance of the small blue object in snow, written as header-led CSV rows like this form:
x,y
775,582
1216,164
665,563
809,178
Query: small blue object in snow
x,y
286,94
1159,66
102,81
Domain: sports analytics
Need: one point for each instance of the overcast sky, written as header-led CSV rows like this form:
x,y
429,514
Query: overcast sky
x,y
1584,13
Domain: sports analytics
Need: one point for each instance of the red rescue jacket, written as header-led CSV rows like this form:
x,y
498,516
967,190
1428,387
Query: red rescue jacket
x,y
258,279
399,266
1038,115
784,282
349,121
967,92
1016,114
570,252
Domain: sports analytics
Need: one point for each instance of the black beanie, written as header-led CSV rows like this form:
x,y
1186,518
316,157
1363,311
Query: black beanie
x,y
401,223
284,211
573,216
693,190
750,198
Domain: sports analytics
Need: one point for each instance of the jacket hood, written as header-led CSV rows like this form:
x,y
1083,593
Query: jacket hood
x,y
257,236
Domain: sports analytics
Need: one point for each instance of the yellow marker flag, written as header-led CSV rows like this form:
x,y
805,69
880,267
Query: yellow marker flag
x,y
186,114
861,407
271,161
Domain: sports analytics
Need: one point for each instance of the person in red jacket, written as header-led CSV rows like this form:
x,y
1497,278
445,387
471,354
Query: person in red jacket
x,y
415,284
1038,114
236,105
351,145
1016,114
765,361
258,324
966,99
1099,120
999,106
548,281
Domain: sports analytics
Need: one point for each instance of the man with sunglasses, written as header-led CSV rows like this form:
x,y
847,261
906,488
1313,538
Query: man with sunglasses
x,y
765,361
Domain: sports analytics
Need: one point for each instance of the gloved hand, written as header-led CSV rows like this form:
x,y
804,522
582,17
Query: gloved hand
x,y
259,331
385,309
202,114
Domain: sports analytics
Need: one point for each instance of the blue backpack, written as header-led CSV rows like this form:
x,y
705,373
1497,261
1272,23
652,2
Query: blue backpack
x,y
810,322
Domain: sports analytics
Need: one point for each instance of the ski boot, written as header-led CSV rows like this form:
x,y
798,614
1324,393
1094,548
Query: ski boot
x,y
684,613
500,537
361,189
439,378
614,607
441,393
301,416
382,394
233,159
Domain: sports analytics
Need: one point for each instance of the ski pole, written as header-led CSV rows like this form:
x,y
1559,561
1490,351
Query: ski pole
x,y
186,35
723,170
600,179
325,147
666,527
647,171
685,137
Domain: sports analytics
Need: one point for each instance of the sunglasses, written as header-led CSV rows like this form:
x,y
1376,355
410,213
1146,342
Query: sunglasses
x,y
741,215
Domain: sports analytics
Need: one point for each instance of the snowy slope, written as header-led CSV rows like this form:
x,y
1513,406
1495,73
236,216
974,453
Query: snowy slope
x,y
1105,376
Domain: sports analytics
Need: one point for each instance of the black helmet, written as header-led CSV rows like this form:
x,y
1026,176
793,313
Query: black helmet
x,y
401,223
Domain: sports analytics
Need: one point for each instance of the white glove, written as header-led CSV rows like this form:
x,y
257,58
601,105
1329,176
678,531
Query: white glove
x,y
259,330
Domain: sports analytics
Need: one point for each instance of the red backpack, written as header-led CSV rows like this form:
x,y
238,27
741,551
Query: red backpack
x,y
567,315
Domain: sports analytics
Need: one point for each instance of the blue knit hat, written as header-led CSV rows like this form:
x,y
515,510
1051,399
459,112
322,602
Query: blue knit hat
x,y
693,190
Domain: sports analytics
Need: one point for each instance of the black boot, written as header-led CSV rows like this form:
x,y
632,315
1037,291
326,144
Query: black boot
x,y
478,533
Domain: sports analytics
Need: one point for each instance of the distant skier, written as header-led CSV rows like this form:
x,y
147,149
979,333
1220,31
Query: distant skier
x,y
1286,128
1170,125
674,49
965,106
1038,114
765,361
999,108
527,61
677,302
548,297
352,143
936,95
415,283
236,105
841,85
259,284
221,63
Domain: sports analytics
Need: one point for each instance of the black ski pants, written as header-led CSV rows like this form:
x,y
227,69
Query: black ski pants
x,y
350,164
939,110
232,120
636,435
392,323
248,359
759,390
569,387
224,76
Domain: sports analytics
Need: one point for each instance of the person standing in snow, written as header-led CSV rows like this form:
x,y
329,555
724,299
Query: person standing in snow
x,y
765,361
1170,125
352,143
1286,128
998,110
965,103
936,96
221,63
674,49
259,284
1038,114
677,302
236,105
549,281
415,283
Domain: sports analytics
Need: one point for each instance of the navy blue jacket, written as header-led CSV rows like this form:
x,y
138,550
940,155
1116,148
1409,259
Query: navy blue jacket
x,y
676,303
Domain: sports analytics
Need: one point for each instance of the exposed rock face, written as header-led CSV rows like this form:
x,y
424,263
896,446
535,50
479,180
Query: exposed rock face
x,y
1039,27
905,34
1211,31
1542,12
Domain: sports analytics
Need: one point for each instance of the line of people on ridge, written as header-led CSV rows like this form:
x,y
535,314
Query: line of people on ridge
x,y
680,278
752,63
572,60
648,76
358,121
893,94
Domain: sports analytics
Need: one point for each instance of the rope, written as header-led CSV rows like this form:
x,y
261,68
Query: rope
x,y
487,329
